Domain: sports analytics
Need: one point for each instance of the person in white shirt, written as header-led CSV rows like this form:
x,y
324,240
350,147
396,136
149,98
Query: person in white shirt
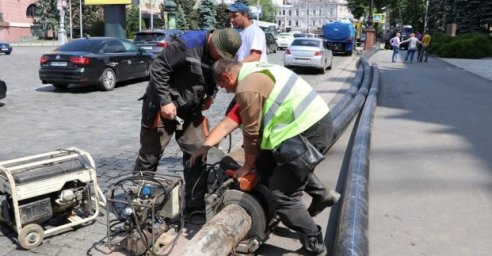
x,y
253,47
412,46
395,43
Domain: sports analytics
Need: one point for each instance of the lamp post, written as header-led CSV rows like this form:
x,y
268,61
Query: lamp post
x,y
151,15
62,34
140,15
370,31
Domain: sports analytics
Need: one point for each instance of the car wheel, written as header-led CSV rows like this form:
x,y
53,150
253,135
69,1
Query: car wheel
x,y
275,49
107,81
60,86
8,53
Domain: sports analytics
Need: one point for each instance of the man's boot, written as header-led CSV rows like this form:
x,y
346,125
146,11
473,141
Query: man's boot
x,y
314,244
321,197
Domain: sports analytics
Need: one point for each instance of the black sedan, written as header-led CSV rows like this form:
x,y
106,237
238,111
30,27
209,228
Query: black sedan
x,y
102,61
5,48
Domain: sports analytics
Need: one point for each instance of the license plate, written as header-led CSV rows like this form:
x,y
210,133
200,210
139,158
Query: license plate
x,y
147,47
303,60
4,48
58,64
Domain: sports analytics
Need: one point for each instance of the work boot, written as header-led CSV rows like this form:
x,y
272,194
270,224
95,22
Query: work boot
x,y
318,204
321,197
314,244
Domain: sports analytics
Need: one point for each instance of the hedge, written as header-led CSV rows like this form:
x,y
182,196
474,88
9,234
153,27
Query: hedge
x,y
465,46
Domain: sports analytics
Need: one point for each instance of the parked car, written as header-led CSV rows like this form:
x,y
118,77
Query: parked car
x,y
284,39
156,40
5,48
308,52
271,43
103,61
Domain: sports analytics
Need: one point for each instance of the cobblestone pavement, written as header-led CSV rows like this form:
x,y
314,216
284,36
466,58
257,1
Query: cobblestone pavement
x,y
37,118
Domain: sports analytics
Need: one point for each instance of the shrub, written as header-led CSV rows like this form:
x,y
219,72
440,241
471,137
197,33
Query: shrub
x,y
470,46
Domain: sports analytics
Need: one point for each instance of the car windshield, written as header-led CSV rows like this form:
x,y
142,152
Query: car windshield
x,y
79,45
304,42
300,35
150,36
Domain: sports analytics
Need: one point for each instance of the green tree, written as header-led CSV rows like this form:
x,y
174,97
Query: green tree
x,y
91,19
181,21
48,16
357,8
190,14
132,21
222,17
207,14
268,10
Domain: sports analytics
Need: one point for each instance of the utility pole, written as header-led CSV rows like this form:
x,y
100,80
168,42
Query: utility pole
x,y
80,19
62,34
70,16
139,15
425,14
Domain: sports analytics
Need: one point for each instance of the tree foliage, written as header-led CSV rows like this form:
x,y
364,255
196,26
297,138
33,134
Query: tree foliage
x,y
48,16
469,15
222,17
91,17
207,13
190,14
181,21
132,21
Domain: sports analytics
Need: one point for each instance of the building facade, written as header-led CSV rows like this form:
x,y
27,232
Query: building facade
x,y
310,15
16,19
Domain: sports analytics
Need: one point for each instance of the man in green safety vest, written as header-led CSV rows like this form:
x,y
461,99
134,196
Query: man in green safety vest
x,y
276,107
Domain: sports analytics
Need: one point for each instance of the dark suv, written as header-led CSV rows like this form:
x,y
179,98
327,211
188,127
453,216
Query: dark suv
x,y
155,40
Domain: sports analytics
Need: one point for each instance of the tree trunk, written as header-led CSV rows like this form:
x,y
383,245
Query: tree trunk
x,y
221,234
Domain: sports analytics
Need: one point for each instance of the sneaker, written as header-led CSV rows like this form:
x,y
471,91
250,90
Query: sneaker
x,y
318,205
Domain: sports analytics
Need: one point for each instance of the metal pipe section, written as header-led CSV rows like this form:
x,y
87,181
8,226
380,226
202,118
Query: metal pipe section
x,y
352,236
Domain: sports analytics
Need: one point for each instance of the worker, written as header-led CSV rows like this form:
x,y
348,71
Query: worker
x,y
271,119
181,86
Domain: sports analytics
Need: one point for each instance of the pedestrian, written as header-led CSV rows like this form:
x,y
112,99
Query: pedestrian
x,y
412,46
426,40
395,43
299,116
253,47
181,86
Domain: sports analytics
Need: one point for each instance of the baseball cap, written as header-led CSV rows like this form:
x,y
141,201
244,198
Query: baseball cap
x,y
226,41
238,7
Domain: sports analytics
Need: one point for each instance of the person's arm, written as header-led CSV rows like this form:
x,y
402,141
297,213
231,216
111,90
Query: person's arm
x,y
224,127
255,55
258,42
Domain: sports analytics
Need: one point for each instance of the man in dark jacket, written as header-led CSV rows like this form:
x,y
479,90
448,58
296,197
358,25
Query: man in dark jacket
x,y
181,86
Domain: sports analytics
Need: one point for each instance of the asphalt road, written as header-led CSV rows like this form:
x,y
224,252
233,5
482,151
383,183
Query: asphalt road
x,y
37,118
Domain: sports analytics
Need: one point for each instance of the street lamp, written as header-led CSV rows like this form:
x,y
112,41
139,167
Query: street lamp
x,y
80,18
62,34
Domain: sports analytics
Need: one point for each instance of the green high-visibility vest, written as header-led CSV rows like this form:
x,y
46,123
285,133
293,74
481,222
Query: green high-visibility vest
x,y
291,108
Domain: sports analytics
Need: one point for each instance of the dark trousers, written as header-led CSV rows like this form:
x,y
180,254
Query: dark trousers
x,y
287,185
410,53
190,138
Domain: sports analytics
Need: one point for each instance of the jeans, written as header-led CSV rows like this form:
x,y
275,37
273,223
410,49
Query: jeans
x,y
395,53
410,53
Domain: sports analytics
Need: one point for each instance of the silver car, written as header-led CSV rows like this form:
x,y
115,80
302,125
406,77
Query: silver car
x,y
308,52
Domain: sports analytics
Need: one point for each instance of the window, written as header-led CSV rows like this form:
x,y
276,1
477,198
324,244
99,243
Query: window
x,y
31,11
290,12
290,23
129,47
297,12
297,23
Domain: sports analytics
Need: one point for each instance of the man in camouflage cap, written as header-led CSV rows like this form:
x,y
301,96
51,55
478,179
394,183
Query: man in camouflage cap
x,y
181,86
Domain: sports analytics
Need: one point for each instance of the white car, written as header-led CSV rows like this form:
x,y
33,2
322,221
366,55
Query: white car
x,y
308,52
284,40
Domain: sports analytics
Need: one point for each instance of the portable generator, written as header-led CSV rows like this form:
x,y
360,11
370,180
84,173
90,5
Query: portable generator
x,y
36,191
146,205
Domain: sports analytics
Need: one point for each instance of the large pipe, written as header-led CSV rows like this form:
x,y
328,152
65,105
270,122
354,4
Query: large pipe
x,y
221,234
352,236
